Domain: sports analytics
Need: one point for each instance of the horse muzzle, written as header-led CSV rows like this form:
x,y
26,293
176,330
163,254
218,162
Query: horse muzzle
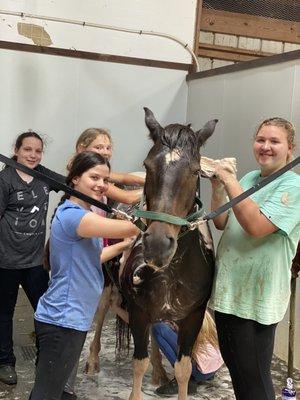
x,y
159,245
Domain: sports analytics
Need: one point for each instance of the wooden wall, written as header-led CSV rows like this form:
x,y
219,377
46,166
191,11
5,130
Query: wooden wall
x,y
226,37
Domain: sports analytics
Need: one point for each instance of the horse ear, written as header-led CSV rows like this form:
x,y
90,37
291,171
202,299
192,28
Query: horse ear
x,y
153,126
206,131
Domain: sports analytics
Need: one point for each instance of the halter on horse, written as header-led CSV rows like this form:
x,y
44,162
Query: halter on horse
x,y
177,275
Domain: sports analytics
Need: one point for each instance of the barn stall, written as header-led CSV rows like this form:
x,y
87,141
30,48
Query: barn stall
x,y
59,77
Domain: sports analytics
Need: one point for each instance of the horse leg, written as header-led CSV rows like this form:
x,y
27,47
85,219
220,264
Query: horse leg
x,y
159,375
187,335
92,363
139,369
183,370
140,331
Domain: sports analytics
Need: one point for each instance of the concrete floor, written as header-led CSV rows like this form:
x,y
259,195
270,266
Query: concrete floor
x,y
114,380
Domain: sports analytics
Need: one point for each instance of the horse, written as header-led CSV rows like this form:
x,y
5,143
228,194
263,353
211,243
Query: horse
x,y
175,275
109,295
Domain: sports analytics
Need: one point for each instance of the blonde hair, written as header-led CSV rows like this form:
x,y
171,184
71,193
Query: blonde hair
x,y
207,335
89,135
284,124
86,138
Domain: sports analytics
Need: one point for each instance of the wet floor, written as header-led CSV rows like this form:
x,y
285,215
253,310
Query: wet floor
x,y
114,379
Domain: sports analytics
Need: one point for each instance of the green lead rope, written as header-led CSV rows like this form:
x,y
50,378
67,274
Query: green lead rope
x,y
163,217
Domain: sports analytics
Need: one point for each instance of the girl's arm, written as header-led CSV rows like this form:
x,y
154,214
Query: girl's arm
x,y
4,196
93,225
247,212
115,306
218,198
120,312
124,196
127,179
116,249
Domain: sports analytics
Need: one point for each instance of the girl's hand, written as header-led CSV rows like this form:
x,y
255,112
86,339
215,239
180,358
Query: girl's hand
x,y
129,242
225,171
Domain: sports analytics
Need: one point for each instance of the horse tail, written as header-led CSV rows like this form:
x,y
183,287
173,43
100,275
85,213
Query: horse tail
x,y
123,332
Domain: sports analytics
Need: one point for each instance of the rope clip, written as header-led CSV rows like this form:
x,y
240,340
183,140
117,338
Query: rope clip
x,y
122,215
194,225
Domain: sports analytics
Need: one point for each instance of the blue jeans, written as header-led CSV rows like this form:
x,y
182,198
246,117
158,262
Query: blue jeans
x,y
166,338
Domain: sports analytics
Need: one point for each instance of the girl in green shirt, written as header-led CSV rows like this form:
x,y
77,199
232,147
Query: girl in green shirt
x,y
252,284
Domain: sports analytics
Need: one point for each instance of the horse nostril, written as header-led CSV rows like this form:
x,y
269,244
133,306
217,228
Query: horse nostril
x,y
171,240
159,243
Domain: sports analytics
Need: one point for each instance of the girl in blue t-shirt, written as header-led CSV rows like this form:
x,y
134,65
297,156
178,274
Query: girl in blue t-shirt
x,y
65,312
100,141
252,284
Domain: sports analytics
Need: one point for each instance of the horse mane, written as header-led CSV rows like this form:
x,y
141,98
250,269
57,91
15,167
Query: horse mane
x,y
181,137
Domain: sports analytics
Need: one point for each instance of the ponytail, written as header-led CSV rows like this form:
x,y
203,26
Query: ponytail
x,y
207,335
46,256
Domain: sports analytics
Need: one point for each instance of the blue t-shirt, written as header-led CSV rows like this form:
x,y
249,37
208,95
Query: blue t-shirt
x,y
76,274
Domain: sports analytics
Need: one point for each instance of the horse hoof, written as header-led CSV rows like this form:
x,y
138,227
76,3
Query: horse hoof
x,y
133,397
164,380
159,380
91,368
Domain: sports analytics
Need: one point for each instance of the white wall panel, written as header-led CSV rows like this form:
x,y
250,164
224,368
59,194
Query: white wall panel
x,y
60,97
241,100
174,17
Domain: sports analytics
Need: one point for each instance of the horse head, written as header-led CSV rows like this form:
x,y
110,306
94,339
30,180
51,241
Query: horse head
x,y
172,170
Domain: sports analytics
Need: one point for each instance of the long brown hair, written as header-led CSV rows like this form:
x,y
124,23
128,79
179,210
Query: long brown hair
x,y
82,162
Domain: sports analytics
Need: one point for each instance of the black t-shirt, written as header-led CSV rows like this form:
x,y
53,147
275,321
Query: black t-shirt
x,y
23,211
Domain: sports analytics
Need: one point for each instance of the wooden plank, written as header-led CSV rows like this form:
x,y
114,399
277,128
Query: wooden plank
x,y
229,53
86,55
196,32
292,325
220,55
243,66
197,24
250,26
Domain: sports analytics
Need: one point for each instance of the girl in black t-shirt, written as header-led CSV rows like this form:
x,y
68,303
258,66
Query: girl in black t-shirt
x,y
23,211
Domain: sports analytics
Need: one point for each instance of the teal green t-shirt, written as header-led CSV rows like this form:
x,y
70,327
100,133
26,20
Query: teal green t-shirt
x,y
253,274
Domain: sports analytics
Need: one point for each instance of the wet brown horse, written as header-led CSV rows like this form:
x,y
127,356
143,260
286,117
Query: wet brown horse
x,y
175,276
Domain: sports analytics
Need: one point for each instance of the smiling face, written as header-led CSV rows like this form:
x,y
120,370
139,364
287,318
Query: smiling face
x,y
93,182
30,152
271,148
101,145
